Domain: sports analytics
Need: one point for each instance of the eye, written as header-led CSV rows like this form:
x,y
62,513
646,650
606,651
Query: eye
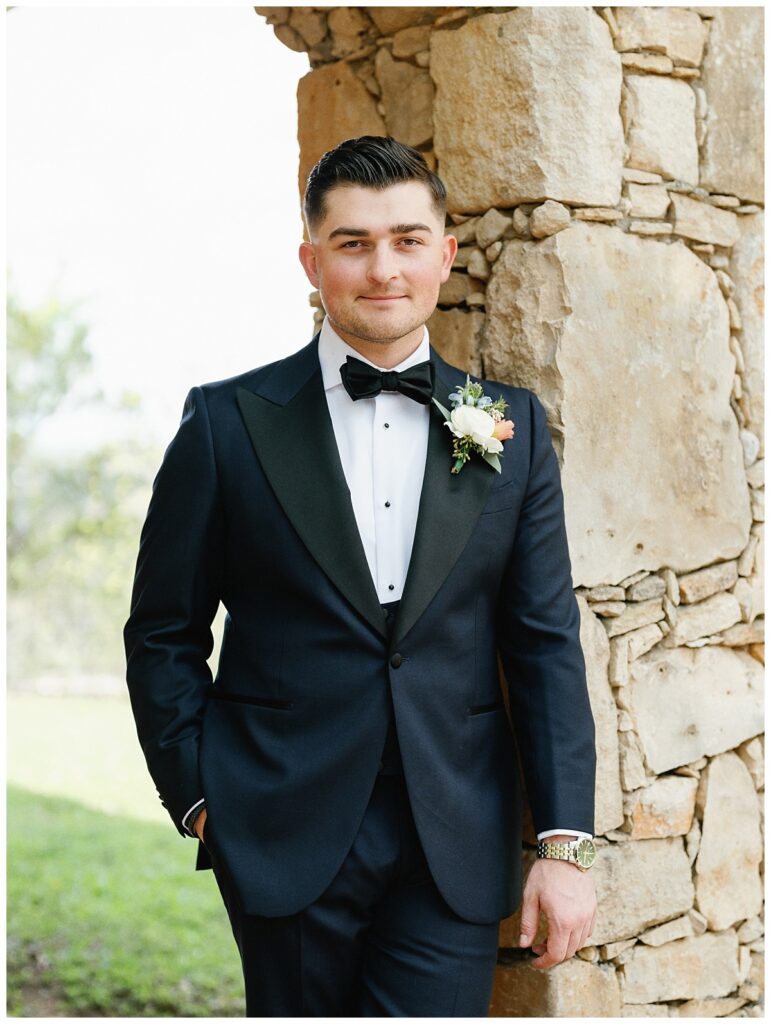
x,y
414,241
347,245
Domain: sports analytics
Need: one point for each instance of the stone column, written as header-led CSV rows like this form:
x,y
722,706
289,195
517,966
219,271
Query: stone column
x,y
605,177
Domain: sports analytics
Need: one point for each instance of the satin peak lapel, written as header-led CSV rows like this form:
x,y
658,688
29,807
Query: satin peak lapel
x,y
309,480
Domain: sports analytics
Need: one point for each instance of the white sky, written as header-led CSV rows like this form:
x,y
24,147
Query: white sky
x,y
152,171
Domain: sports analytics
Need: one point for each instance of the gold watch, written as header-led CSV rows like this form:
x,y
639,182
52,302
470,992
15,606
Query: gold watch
x,y
580,851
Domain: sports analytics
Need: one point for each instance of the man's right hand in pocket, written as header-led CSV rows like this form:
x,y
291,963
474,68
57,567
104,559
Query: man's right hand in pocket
x,y
199,823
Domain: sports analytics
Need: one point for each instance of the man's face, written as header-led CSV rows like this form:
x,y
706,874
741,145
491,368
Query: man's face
x,y
378,259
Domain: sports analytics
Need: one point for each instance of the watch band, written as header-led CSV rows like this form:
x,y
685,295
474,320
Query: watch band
x,y
580,851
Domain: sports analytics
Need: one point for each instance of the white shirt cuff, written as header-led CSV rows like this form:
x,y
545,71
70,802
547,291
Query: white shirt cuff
x,y
187,815
564,831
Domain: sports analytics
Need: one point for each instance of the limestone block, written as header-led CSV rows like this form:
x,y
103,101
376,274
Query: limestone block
x,y
674,31
758,578
503,133
645,589
650,227
392,19
679,928
455,334
711,1007
333,105
491,227
665,808
641,177
408,95
548,218
660,113
703,222
641,640
728,884
653,63
410,41
695,586
477,265
618,669
744,634
631,761
605,592
524,991
601,213
732,154
639,884
697,967
746,559
752,753
648,200
747,270
466,231
704,618
570,318
457,288
713,698
612,950
309,24
608,809
348,21
751,929
635,616
290,38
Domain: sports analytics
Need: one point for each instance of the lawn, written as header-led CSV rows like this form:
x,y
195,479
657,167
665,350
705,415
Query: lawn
x,y
106,916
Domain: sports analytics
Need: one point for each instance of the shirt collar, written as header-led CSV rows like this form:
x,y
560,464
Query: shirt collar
x,y
333,351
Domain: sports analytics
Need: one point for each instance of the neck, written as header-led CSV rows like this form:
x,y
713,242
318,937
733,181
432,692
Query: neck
x,y
386,353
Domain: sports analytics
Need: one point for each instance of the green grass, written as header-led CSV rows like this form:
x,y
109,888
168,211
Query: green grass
x,y
107,917
106,914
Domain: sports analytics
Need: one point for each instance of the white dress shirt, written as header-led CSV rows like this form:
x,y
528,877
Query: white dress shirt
x,y
382,443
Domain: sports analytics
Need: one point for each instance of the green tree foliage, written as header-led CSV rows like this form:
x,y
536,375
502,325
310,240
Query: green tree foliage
x,y
74,520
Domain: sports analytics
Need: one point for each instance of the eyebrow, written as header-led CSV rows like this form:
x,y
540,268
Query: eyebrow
x,y
395,229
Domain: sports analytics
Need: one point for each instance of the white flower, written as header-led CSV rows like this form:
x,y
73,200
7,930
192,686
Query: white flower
x,y
468,421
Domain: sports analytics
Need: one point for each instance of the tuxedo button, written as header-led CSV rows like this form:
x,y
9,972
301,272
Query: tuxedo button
x,y
396,660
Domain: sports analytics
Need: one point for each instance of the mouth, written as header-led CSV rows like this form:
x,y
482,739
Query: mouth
x,y
382,298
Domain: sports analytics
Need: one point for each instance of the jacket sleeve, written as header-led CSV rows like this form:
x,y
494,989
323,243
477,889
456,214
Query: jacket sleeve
x,y
538,625
177,589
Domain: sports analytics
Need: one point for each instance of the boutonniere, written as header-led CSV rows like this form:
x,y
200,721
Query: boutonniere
x,y
477,425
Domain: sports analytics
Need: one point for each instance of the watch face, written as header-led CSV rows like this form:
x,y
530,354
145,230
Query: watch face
x,y
586,851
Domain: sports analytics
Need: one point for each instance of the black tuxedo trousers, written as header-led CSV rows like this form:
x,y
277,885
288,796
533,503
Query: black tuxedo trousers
x,y
380,941
251,509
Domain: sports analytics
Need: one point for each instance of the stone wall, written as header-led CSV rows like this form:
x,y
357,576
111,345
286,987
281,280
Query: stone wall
x,y
605,171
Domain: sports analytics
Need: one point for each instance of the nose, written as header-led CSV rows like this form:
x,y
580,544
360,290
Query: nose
x,y
381,266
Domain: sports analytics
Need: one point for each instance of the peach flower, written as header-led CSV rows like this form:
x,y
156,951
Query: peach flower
x,y
504,430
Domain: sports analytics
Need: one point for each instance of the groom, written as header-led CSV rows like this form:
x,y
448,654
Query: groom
x,y
351,772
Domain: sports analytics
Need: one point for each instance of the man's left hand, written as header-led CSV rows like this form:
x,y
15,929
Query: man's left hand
x,y
567,898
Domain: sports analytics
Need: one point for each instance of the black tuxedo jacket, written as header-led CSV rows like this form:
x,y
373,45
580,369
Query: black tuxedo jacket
x,y
251,507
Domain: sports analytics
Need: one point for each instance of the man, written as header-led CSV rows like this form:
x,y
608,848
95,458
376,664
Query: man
x,y
351,772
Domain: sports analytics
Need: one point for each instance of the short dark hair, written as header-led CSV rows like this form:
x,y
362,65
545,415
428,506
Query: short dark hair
x,y
372,161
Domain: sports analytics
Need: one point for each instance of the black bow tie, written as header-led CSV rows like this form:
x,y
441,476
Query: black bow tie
x,y
361,380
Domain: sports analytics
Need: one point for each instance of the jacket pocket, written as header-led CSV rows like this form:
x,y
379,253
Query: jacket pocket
x,y
247,698
481,709
501,497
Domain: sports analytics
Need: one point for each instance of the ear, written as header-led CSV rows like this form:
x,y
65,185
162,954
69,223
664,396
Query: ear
x,y
307,256
449,251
